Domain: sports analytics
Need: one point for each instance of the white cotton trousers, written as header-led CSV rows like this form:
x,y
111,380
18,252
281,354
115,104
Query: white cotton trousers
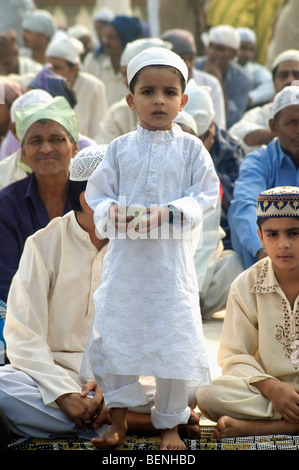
x,y
171,399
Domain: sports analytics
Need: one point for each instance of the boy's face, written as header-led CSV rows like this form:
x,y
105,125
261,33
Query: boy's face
x,y
280,237
157,98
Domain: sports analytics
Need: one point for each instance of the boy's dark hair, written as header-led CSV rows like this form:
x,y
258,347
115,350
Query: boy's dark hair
x,y
172,69
261,220
74,189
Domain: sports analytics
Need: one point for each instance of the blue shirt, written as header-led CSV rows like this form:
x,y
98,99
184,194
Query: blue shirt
x,y
236,85
227,156
260,170
22,212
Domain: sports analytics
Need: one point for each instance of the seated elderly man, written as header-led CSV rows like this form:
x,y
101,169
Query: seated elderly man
x,y
253,129
49,136
222,47
276,164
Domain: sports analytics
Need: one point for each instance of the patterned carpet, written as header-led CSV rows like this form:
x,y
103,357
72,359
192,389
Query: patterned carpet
x,y
151,443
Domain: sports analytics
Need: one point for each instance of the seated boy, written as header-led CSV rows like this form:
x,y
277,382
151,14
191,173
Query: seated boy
x,y
258,392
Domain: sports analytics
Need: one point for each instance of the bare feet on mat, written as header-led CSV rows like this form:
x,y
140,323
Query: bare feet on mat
x,y
170,440
111,439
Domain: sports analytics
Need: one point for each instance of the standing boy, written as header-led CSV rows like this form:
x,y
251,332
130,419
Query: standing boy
x,y
148,319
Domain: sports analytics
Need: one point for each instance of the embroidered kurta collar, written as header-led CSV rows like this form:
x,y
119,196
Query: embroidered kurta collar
x,y
266,281
159,136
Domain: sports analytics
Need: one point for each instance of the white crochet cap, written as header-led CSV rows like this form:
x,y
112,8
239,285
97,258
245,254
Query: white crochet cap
x,y
288,96
135,47
39,21
200,105
30,97
86,161
225,35
291,55
67,48
185,118
104,14
247,34
156,56
78,31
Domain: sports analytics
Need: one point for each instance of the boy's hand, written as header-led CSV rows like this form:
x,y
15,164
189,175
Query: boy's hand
x,y
120,221
156,216
284,396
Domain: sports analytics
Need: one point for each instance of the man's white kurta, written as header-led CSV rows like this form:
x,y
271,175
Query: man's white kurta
x,y
147,307
50,306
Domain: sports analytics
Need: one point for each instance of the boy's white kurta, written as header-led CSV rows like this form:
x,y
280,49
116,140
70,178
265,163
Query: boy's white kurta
x,y
148,318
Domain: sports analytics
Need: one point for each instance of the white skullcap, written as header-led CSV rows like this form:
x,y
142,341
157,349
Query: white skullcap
x,y
30,97
200,105
86,161
247,34
156,56
185,118
225,35
39,21
135,47
288,96
104,14
66,48
78,31
285,56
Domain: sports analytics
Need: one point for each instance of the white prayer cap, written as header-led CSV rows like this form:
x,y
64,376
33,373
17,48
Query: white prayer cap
x,y
30,97
86,161
104,14
288,96
225,35
200,105
135,47
66,48
185,118
285,56
247,35
78,31
39,21
156,56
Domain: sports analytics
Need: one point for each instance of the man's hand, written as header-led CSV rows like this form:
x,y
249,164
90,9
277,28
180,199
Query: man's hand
x,y
82,409
97,412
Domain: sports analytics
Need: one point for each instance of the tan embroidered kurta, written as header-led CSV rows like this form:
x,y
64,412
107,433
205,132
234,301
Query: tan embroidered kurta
x,y
260,340
260,335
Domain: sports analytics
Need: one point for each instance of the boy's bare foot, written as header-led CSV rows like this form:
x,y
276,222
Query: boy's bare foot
x,y
116,434
191,429
231,427
170,440
110,439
